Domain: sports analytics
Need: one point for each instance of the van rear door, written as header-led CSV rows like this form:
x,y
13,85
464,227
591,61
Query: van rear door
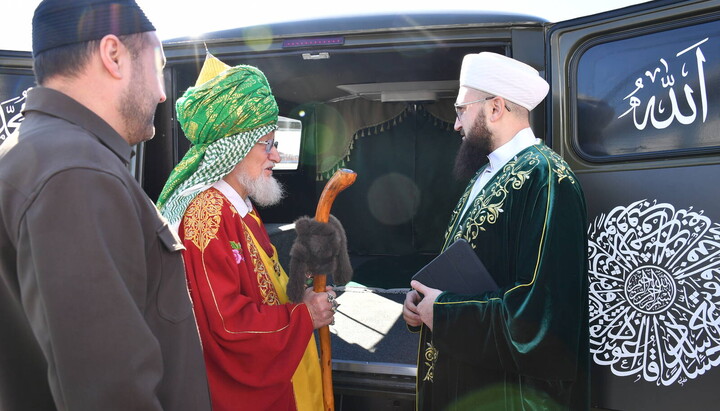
x,y
635,111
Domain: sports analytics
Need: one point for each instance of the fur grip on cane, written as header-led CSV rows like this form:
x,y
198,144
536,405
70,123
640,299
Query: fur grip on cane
x,y
319,248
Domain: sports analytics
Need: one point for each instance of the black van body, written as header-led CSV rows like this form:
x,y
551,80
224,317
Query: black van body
x,y
634,108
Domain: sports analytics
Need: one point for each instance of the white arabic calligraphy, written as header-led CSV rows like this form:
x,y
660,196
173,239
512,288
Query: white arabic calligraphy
x,y
11,115
655,292
668,81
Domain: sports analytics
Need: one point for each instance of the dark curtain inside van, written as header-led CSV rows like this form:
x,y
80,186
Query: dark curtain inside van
x,y
400,203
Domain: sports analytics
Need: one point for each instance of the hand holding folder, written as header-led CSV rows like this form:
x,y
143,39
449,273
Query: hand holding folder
x,y
458,270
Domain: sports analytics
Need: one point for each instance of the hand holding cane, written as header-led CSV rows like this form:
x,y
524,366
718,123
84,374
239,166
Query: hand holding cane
x,y
341,180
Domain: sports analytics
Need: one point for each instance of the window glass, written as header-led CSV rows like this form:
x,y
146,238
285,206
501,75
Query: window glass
x,y
288,138
650,95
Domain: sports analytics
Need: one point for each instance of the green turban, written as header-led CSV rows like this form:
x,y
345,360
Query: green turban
x,y
223,118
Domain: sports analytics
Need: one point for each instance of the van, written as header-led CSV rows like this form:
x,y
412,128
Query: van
x,y
634,109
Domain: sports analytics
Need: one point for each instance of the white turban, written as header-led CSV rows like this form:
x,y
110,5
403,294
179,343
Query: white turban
x,y
505,77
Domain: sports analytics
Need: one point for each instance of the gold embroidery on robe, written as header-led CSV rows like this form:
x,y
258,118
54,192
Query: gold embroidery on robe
x,y
487,206
202,218
562,169
267,290
431,355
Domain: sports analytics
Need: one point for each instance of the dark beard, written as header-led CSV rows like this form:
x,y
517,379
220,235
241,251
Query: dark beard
x,y
473,151
138,109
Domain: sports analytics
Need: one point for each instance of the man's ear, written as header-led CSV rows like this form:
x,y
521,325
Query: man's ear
x,y
498,108
111,50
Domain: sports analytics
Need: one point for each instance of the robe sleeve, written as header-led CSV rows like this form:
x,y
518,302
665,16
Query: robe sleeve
x,y
255,343
534,325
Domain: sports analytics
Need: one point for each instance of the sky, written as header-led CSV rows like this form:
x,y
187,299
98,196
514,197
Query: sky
x,y
180,18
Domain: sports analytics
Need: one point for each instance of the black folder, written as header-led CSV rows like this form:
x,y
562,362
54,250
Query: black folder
x,y
459,270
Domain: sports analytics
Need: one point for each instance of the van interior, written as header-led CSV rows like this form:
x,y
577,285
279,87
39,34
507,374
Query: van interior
x,y
382,110
377,101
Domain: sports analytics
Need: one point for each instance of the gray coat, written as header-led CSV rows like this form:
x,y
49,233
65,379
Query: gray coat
x,y
94,307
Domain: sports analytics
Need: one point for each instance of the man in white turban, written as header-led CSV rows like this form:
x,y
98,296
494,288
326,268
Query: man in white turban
x,y
524,345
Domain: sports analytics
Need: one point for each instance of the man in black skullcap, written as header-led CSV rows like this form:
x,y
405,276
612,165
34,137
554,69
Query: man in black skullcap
x,y
94,307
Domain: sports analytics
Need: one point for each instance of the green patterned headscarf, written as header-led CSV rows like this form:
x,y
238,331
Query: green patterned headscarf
x,y
223,118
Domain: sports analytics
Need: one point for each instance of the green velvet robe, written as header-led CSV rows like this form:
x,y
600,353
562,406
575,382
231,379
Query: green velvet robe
x,y
524,347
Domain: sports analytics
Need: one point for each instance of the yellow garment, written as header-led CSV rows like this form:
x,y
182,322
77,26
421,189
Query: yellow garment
x,y
307,380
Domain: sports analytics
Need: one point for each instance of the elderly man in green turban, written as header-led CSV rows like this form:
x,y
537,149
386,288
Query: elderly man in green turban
x,y
259,347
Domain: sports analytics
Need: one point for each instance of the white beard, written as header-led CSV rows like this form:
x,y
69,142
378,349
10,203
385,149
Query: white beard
x,y
264,191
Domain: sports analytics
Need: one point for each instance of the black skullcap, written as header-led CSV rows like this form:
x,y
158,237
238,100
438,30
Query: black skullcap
x,y
61,22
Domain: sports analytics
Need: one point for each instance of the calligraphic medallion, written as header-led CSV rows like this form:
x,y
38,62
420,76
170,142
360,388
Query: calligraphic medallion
x,y
650,290
654,294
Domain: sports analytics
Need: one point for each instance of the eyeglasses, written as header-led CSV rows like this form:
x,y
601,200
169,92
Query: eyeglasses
x,y
269,144
461,107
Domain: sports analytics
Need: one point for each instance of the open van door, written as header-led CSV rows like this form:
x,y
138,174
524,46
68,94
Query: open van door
x,y
635,111
16,77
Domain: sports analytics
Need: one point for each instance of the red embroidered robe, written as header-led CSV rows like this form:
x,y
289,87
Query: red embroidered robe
x,y
253,340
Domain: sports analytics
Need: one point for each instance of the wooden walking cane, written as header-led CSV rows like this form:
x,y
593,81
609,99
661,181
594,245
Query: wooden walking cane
x,y
341,180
